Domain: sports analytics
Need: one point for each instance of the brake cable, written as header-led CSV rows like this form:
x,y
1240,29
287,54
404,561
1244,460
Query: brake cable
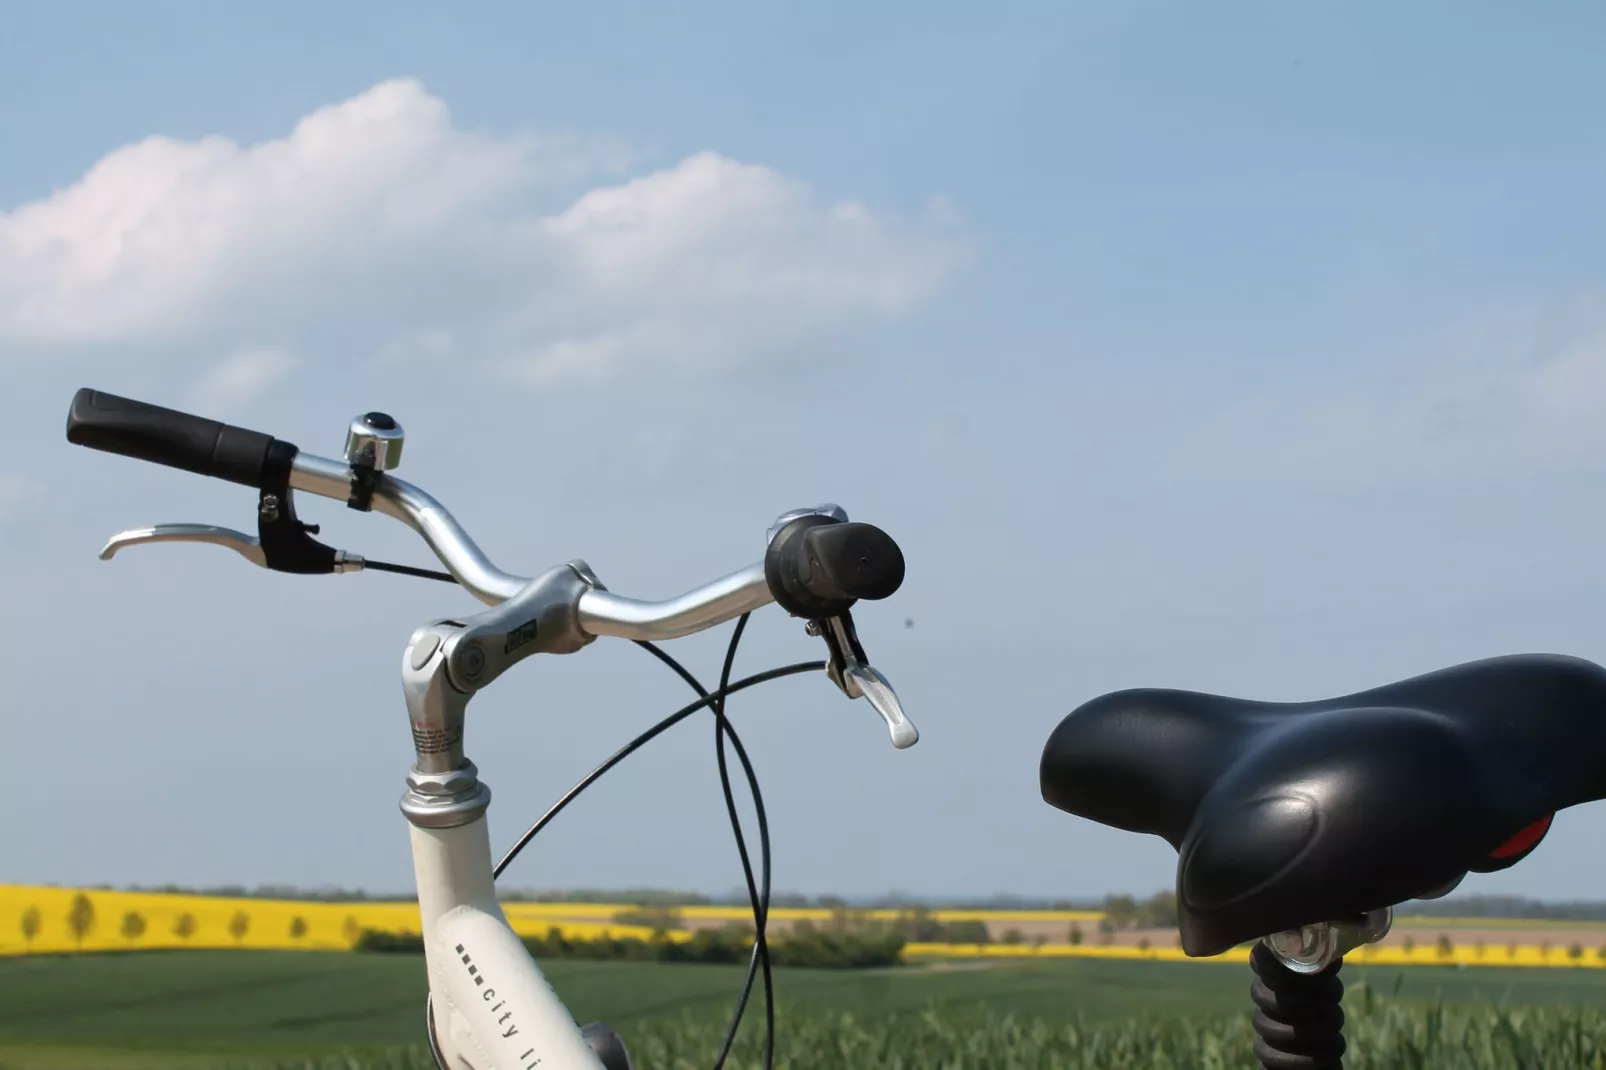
x,y
759,897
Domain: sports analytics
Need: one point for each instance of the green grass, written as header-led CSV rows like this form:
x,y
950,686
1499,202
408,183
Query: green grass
x,y
189,1009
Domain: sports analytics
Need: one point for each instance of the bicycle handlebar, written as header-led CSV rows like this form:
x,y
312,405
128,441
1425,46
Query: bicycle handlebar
x,y
818,564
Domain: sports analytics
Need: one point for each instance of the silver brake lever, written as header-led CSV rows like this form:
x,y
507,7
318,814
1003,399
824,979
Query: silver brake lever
x,y
871,685
850,671
245,545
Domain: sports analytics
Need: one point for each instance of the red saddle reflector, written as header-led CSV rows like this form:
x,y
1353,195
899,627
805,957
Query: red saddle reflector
x,y
1525,839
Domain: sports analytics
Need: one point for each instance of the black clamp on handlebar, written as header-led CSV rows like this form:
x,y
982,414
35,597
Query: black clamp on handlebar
x,y
287,543
364,478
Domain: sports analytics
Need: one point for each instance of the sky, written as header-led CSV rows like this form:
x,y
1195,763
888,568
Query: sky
x,y
1251,348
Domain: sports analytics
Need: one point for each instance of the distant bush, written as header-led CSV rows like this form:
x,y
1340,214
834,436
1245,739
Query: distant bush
x,y
81,918
1159,911
133,926
918,925
379,940
915,925
31,922
650,917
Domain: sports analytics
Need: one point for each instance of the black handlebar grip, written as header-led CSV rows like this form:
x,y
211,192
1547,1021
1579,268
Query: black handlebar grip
x,y
177,439
818,566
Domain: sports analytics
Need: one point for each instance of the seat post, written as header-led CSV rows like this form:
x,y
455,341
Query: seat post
x,y
1299,1023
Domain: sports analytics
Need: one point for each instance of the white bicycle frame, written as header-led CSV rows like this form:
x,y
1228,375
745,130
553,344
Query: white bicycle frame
x,y
491,1006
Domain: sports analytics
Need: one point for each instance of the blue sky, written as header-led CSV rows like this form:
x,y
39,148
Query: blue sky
x,y
1253,349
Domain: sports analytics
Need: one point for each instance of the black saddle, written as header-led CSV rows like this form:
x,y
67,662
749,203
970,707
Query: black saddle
x,y
1292,813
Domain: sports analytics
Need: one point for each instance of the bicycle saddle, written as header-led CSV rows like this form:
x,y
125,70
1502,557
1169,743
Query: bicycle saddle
x,y
1286,814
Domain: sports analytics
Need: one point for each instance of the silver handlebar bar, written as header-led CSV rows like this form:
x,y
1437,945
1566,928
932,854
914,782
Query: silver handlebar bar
x,y
601,612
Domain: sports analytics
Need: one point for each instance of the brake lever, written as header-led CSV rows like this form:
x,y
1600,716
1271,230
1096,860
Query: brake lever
x,y
288,558
851,671
283,543
241,543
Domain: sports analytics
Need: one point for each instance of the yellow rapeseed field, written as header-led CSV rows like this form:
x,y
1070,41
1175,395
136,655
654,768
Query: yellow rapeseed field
x,y
44,919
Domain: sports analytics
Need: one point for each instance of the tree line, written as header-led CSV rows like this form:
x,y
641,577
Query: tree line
x,y
915,925
728,944
1505,906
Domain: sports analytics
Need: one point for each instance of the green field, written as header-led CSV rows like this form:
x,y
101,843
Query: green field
x,y
222,1008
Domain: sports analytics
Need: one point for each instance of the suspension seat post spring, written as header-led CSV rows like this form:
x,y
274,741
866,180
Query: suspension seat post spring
x,y
1299,1023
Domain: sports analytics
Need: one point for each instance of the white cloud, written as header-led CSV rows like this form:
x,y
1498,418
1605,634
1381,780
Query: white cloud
x,y
239,379
379,218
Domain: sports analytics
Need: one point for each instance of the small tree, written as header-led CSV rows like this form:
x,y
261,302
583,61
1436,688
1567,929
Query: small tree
x,y
1013,936
353,930
1075,935
1159,911
239,925
1511,951
133,926
81,918
1478,948
1575,951
31,922
184,926
298,928
1143,944
1410,944
1121,911
1445,948
1038,941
